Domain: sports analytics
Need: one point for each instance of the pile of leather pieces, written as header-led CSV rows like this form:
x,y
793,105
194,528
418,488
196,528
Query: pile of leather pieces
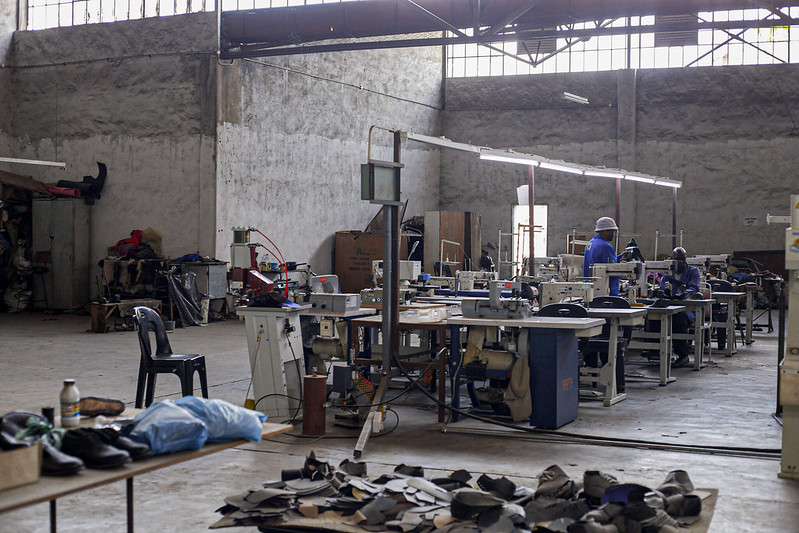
x,y
324,498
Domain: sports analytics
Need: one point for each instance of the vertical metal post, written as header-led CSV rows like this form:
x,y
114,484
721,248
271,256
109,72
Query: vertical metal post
x,y
390,322
129,492
673,218
618,202
531,206
780,339
53,526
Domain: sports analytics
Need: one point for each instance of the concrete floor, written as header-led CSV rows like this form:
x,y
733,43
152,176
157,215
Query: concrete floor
x,y
729,403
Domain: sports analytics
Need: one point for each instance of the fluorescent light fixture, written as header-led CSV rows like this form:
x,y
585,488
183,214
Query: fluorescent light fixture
x,y
560,167
575,98
505,156
508,157
604,173
32,162
642,179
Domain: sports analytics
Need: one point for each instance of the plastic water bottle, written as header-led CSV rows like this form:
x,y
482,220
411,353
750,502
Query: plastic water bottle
x,y
70,403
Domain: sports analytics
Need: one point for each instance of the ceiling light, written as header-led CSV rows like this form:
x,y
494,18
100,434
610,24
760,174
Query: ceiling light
x,y
575,98
604,173
642,179
508,157
561,168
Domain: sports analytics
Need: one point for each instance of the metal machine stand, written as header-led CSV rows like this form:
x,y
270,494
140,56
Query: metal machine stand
x,y
789,368
390,329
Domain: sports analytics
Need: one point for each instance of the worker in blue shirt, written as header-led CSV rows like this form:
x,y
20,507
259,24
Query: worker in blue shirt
x,y
599,250
683,284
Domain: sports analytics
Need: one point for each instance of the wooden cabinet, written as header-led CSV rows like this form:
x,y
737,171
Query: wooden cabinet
x,y
461,227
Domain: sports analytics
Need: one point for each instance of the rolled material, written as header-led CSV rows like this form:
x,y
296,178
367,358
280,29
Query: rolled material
x,y
313,412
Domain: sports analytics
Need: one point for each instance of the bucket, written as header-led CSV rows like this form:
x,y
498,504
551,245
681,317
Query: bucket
x,y
204,304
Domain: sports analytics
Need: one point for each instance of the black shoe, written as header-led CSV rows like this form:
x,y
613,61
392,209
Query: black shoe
x,y
681,362
136,450
8,442
57,463
35,428
88,446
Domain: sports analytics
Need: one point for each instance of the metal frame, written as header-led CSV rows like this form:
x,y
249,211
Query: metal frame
x,y
494,35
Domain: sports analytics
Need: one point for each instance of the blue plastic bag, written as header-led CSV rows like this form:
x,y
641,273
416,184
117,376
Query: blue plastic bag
x,y
168,428
225,421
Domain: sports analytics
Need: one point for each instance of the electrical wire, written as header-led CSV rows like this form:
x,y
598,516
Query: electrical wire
x,y
586,439
299,372
282,260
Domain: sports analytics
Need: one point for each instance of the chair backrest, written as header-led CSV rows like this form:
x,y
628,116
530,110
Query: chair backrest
x,y
149,320
563,310
609,302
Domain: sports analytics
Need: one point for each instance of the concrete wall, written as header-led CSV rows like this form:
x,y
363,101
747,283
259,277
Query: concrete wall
x,y
293,132
726,133
143,106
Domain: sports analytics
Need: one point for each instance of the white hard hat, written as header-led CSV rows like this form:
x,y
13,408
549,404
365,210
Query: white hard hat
x,y
606,223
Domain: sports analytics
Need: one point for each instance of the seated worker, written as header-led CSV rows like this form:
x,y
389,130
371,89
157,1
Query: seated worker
x,y
486,263
684,283
599,250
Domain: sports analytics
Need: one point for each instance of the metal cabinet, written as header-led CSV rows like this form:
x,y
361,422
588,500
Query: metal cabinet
x,y
211,278
60,253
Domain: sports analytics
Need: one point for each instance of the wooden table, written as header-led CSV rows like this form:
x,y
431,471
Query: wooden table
x,y
607,374
49,489
101,312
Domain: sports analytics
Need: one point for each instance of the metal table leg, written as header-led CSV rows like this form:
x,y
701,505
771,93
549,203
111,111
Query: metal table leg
x,y
129,491
52,517
665,350
612,395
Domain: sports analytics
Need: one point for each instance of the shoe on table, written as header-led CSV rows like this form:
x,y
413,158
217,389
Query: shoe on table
x,y
136,450
31,427
94,406
85,444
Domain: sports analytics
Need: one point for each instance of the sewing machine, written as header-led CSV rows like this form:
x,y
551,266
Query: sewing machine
x,y
665,268
547,268
408,271
469,280
706,262
633,271
551,292
445,282
495,306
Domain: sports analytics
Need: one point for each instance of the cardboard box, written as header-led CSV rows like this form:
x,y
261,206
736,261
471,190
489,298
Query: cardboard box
x,y
20,467
354,254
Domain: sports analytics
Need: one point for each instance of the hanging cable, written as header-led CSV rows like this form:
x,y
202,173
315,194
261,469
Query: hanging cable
x,y
282,260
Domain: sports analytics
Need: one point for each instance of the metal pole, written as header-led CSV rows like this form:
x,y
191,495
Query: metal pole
x,y
673,219
390,323
53,526
780,339
531,206
618,202
129,487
